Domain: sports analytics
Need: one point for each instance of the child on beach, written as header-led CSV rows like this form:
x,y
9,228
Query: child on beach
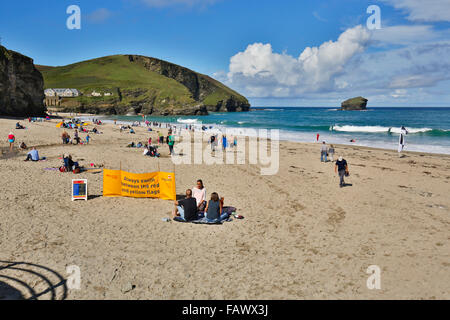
x,y
88,138
11,140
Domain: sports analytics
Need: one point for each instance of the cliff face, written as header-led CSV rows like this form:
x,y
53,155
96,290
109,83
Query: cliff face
x,y
201,87
21,86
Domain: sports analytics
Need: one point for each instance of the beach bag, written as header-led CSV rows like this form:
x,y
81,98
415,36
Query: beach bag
x,y
62,169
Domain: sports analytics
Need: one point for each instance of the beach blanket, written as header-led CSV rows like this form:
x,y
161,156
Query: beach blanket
x,y
199,221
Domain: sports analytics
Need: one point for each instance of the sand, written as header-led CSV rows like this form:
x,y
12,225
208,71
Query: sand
x,y
302,237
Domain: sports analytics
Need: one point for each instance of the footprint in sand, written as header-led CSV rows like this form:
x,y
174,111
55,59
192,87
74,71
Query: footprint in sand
x,y
336,216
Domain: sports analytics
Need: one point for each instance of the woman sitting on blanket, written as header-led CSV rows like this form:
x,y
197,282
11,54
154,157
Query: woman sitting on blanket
x,y
199,193
214,209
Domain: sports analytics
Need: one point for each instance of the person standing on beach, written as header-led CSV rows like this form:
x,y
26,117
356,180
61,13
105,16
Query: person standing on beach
x,y
65,137
11,140
341,168
318,137
224,142
171,143
76,137
213,141
323,152
331,153
402,141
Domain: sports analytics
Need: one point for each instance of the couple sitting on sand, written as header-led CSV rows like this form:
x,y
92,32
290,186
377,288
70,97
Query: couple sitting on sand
x,y
192,207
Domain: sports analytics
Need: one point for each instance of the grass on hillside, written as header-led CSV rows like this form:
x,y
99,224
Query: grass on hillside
x,y
107,74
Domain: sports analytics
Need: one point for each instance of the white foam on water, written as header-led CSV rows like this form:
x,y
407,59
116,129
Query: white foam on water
x,y
187,121
377,129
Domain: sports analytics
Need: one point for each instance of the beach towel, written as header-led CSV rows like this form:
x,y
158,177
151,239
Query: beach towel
x,y
199,221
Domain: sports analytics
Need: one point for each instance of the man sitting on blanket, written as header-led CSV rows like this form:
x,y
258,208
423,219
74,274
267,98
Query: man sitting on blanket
x,y
186,209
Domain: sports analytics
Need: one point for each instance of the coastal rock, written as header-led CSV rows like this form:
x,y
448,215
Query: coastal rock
x,y
21,86
358,103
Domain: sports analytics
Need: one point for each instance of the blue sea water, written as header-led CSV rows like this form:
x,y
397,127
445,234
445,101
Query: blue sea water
x,y
429,128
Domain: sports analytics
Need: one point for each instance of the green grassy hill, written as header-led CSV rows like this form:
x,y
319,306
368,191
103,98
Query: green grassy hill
x,y
141,85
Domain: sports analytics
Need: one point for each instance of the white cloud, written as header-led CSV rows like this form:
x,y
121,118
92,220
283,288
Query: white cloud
x,y
264,73
170,3
404,35
423,10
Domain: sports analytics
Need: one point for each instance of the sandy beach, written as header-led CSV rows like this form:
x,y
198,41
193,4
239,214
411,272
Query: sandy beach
x,y
303,237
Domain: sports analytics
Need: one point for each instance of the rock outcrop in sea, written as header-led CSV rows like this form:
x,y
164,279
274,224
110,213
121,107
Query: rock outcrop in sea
x,y
358,103
21,86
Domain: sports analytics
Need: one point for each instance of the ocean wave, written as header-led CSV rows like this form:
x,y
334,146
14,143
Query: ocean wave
x,y
187,121
379,129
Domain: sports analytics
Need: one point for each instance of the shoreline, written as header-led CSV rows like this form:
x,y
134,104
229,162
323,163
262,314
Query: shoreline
x,y
69,116
220,127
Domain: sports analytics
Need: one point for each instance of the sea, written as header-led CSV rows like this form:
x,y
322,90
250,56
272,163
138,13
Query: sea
x,y
428,128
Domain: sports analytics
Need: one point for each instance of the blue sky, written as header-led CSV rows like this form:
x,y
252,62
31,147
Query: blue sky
x,y
290,53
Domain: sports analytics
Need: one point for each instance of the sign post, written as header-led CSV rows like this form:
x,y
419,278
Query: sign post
x,y
79,189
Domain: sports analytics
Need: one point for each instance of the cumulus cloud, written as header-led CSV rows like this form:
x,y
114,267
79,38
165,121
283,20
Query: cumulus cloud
x,y
170,3
413,73
261,72
423,10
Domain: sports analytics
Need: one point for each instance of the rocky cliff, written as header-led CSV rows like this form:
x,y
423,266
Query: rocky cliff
x,y
21,86
358,103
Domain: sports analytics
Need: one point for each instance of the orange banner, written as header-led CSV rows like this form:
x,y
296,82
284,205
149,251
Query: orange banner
x,y
159,185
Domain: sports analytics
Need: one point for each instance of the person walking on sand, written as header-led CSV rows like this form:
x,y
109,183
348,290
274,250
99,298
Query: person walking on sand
x,y
331,153
341,168
323,152
11,140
